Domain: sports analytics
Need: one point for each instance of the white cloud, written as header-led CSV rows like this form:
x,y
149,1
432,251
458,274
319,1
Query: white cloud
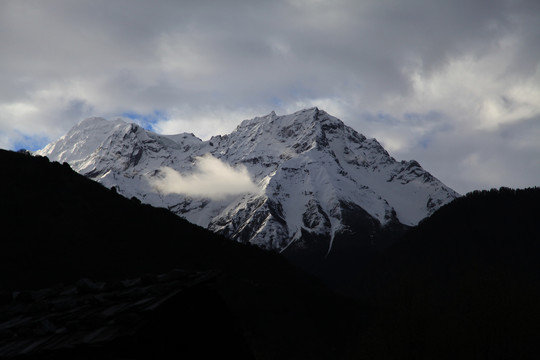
x,y
476,90
212,178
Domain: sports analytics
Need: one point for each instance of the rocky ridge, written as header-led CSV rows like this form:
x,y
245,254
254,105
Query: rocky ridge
x,y
317,177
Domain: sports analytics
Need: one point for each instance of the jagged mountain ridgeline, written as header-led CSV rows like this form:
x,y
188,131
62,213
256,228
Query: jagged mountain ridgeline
x,y
303,184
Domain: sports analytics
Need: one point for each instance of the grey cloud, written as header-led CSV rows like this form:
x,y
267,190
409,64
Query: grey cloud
x,y
205,63
471,159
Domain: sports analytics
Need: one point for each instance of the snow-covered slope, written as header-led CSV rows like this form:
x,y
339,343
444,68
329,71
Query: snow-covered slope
x,y
312,170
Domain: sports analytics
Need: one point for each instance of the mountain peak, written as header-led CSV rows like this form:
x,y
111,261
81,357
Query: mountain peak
x,y
317,177
96,122
304,122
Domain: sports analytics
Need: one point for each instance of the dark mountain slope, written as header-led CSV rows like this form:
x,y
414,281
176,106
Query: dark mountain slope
x,y
465,283
58,226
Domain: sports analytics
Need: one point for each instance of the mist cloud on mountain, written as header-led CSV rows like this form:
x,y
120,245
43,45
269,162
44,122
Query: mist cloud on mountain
x,y
212,178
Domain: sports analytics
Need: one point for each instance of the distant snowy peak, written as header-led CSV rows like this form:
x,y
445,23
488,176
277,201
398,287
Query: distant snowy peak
x,y
82,139
96,145
315,176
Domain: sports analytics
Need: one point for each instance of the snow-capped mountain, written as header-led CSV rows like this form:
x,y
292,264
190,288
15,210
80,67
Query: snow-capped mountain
x,y
318,179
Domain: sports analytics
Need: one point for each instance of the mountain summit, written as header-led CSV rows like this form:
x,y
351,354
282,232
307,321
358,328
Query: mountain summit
x,y
314,180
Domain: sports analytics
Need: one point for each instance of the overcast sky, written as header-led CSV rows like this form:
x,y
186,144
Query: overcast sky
x,y
452,84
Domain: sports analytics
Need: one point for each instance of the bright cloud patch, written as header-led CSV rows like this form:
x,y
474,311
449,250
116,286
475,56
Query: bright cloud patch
x,y
212,178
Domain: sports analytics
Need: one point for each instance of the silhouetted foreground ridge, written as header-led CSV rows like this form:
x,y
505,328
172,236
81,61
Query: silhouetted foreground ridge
x,y
59,228
465,283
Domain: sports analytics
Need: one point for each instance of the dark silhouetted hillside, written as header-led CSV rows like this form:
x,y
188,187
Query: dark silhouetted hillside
x,y
465,283
58,227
